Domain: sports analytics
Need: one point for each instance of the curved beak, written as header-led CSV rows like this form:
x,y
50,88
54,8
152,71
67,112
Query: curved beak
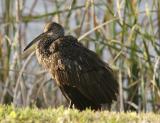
x,y
35,40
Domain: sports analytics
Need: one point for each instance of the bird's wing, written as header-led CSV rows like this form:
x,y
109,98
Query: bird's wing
x,y
84,70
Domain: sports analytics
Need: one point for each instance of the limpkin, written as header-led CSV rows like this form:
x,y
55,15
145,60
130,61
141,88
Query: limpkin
x,y
84,79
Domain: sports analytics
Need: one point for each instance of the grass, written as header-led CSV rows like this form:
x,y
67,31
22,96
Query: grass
x,y
9,114
124,33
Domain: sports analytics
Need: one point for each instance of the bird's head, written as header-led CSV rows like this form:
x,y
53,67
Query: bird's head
x,y
51,30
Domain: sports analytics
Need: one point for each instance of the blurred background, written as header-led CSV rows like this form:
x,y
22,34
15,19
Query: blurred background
x,y
124,33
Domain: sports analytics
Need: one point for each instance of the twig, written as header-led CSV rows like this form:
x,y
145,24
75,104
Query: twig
x,y
20,74
97,27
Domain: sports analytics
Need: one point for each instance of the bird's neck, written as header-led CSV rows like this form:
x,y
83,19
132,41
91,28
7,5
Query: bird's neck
x,y
43,46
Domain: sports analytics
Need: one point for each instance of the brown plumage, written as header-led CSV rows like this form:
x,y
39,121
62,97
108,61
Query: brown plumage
x,y
84,79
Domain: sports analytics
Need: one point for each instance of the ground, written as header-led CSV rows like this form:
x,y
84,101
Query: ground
x,y
60,115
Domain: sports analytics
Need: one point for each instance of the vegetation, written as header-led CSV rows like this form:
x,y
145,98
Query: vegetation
x,y
28,115
124,33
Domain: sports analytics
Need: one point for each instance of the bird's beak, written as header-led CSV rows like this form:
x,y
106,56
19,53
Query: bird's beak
x,y
35,40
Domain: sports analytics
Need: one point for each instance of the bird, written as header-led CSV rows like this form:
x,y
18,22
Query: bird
x,y
84,79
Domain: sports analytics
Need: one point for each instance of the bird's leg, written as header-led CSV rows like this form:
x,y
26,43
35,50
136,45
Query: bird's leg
x,y
109,107
70,104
